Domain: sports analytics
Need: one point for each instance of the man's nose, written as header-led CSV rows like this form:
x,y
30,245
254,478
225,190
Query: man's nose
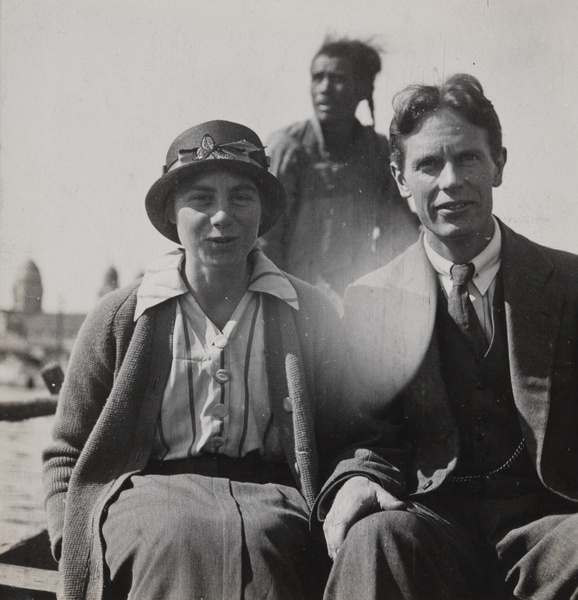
x,y
324,84
449,176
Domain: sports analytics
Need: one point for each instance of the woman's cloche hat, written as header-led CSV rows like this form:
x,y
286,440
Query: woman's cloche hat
x,y
210,146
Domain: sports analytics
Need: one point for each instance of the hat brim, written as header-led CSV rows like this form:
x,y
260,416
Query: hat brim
x,y
272,193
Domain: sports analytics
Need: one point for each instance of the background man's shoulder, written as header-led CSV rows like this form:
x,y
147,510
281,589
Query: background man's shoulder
x,y
289,137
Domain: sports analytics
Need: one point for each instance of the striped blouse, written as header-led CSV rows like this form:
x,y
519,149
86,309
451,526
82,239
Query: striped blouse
x,y
216,397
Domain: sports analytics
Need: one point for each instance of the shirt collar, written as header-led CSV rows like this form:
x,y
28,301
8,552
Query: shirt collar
x,y
268,279
162,280
487,262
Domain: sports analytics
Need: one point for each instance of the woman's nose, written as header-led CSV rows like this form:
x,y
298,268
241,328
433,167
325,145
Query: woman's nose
x,y
222,214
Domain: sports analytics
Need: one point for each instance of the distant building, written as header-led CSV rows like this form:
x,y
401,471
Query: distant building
x,y
110,282
27,290
30,338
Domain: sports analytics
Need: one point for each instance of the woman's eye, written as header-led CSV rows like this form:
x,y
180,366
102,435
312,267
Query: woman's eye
x,y
200,198
243,199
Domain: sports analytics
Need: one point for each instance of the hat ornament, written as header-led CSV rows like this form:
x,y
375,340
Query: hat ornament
x,y
209,150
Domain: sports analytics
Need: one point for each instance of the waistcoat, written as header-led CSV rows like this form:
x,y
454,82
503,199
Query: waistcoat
x,y
480,395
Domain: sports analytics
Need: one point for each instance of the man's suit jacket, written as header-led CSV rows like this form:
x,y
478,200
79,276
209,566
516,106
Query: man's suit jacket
x,y
390,316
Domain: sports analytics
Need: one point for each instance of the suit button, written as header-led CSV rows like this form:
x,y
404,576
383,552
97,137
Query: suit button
x,y
222,376
288,404
217,442
481,385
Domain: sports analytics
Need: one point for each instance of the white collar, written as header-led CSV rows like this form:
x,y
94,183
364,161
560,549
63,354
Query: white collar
x,y
162,280
487,262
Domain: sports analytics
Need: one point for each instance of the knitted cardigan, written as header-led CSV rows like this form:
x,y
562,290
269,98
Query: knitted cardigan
x,y
111,398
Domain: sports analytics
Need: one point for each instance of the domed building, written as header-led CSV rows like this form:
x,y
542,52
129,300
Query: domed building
x,y
27,290
110,282
30,338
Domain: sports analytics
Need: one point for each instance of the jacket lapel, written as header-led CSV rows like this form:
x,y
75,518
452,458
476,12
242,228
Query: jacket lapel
x,y
533,311
390,315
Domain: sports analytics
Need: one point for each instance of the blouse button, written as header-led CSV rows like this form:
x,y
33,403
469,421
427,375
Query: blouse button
x,y
220,411
221,341
222,376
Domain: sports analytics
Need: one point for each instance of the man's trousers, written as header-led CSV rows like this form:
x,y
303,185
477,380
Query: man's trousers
x,y
454,545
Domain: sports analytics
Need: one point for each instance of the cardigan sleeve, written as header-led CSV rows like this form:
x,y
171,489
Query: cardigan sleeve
x,y
87,384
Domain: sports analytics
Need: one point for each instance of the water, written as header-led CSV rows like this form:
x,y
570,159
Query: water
x,y
21,496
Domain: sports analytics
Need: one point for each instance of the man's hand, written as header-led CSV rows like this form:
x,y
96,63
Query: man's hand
x,y
358,497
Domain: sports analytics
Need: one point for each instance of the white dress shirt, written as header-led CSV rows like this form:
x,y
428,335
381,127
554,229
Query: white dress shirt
x,y
483,284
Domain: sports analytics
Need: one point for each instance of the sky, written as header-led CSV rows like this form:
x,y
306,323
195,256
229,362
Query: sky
x,y
92,93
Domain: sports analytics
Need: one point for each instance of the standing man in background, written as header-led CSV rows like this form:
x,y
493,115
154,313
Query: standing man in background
x,y
344,215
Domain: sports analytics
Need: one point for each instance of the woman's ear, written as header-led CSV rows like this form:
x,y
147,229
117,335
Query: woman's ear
x,y
170,216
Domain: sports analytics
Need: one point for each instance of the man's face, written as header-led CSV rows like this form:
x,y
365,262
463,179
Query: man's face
x,y
217,218
334,90
449,172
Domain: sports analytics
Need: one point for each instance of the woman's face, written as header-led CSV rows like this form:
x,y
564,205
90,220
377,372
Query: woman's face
x,y
217,218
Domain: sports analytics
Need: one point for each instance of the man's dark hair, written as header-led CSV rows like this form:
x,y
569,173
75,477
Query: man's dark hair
x,y
364,58
460,93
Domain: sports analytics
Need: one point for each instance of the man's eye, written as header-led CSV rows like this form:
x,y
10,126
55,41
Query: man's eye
x,y
427,164
469,158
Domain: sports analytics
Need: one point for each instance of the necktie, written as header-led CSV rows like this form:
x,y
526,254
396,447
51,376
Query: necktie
x,y
461,309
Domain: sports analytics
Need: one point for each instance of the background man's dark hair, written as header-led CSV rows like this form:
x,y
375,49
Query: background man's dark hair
x,y
460,93
363,56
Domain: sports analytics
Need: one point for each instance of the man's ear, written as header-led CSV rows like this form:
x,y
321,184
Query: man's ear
x,y
398,176
364,90
500,164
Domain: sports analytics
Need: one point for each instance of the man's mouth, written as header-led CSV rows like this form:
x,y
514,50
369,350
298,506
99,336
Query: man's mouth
x,y
454,206
325,104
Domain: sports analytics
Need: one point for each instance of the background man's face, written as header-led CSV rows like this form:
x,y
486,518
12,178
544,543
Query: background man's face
x,y
334,90
450,173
